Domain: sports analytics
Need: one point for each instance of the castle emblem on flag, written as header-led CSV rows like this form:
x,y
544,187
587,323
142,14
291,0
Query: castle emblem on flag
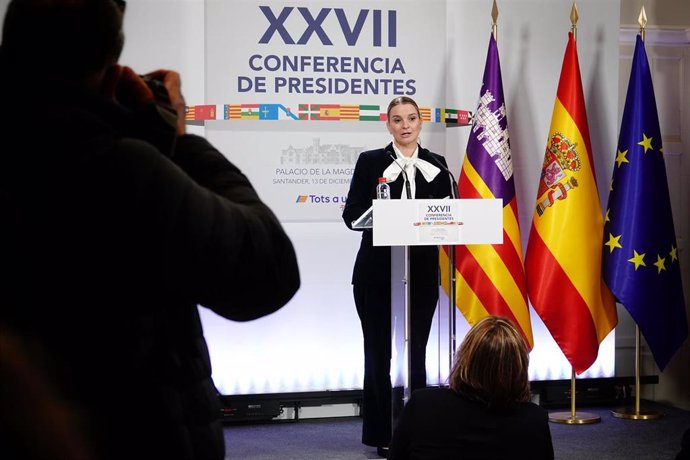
x,y
554,183
493,136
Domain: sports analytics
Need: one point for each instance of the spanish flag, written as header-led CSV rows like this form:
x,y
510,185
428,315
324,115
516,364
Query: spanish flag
x,y
563,262
325,112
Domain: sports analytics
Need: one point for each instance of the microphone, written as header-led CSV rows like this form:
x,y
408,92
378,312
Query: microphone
x,y
408,191
453,183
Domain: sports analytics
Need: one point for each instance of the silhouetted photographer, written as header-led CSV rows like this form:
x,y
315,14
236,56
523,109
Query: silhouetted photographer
x,y
116,225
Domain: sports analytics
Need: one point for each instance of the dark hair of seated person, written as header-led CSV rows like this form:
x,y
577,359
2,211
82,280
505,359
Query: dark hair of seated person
x,y
491,364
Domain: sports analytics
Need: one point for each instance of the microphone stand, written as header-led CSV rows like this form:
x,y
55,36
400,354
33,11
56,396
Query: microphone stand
x,y
453,183
452,309
407,390
408,190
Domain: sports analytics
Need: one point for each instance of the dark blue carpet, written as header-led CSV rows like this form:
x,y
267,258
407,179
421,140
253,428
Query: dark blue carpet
x,y
339,438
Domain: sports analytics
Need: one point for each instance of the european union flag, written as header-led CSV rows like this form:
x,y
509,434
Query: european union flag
x,y
640,252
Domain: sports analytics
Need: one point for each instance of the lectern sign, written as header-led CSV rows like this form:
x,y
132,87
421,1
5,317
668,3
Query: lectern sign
x,y
437,222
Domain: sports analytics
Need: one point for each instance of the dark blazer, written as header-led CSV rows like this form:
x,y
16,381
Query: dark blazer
x,y
373,263
438,423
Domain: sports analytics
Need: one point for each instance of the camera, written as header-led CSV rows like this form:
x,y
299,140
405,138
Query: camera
x,y
162,98
160,93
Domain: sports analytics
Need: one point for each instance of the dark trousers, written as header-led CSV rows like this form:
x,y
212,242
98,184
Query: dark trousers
x,y
373,302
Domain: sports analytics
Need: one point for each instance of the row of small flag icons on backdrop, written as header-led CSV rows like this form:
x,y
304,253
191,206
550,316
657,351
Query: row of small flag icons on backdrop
x,y
314,112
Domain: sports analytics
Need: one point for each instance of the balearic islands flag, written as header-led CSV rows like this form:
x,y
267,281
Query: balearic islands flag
x,y
490,278
640,253
563,259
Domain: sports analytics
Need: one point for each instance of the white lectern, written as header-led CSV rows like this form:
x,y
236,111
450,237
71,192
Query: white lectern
x,y
404,223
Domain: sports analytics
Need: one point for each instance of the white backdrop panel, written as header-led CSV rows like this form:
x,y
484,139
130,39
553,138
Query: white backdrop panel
x,y
248,39
314,343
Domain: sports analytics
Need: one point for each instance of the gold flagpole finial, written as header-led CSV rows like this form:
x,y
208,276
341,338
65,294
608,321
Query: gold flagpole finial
x,y
494,16
642,21
574,16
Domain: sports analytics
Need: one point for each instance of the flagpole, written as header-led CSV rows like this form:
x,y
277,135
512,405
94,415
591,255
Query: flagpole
x,y
492,275
574,16
494,17
451,306
572,417
452,340
636,413
452,332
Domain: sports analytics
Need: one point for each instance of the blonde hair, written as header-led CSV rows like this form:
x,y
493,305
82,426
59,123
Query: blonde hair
x,y
399,101
491,364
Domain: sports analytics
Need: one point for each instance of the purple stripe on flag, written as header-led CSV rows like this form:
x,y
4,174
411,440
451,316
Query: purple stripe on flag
x,y
488,147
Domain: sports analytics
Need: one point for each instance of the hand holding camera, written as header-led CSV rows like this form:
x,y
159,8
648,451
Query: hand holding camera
x,y
166,87
162,87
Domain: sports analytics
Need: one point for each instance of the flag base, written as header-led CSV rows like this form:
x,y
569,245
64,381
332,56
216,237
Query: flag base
x,y
630,413
579,418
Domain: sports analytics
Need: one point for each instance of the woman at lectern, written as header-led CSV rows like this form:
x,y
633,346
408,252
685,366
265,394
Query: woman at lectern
x,y
486,412
411,172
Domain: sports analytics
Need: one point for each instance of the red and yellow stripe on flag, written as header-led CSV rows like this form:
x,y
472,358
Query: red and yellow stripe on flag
x,y
426,113
349,112
233,112
563,259
490,278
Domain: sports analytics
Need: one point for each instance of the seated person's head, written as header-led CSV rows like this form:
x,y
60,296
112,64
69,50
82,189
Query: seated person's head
x,y
491,364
